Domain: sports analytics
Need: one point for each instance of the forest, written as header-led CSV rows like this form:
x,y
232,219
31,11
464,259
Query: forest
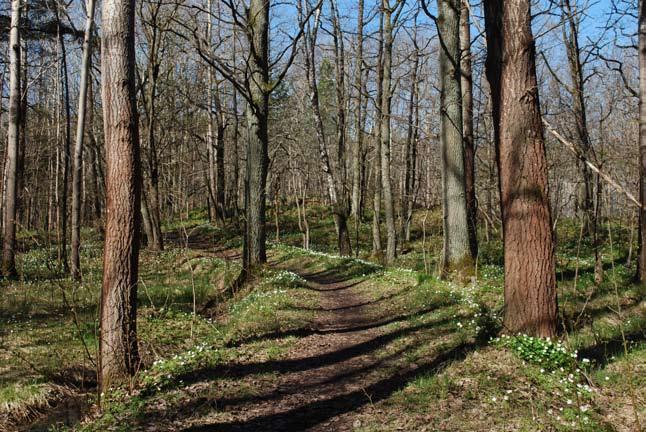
x,y
323,215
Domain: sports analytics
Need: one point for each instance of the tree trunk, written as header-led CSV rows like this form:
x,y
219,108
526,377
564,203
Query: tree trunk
x,y
376,218
65,154
391,230
641,264
155,243
254,252
119,355
78,145
466,75
13,142
408,198
576,90
530,280
356,149
457,252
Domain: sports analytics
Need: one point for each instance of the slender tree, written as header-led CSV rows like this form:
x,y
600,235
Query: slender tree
x,y
358,144
67,143
257,31
530,281
77,170
466,74
390,17
641,265
13,142
119,355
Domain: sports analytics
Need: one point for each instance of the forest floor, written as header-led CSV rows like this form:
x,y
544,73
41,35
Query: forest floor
x,y
319,342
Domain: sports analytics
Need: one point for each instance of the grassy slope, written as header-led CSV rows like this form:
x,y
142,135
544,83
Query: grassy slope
x,y
490,388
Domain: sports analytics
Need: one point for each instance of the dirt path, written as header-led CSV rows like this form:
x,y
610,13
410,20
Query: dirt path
x,y
327,378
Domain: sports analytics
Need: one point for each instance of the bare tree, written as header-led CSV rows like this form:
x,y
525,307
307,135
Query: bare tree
x,y
390,18
13,142
466,73
77,171
641,265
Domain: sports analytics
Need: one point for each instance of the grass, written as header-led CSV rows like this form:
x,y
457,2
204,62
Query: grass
x,y
49,327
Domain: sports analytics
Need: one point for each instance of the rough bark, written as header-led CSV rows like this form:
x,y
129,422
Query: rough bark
x,y
457,252
119,356
530,282
77,172
13,142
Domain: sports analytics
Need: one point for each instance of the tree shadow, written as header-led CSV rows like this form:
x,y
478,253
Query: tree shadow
x,y
602,352
314,413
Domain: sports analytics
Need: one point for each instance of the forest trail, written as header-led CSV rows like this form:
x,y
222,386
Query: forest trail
x,y
329,379
322,381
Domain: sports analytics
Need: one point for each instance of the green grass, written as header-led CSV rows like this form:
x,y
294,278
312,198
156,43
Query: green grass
x,y
49,325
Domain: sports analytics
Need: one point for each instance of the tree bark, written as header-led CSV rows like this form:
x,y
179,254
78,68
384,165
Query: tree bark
x,y
356,149
391,230
576,91
151,181
119,355
78,145
412,135
641,264
13,142
65,154
457,252
257,31
530,280
376,218
466,75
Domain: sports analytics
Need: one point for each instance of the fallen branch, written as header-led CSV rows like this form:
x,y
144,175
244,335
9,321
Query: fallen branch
x,y
592,166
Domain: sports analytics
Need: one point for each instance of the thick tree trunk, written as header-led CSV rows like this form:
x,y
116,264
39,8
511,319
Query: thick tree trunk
x,y
457,252
530,281
78,145
254,252
467,127
13,142
119,355
641,265
391,230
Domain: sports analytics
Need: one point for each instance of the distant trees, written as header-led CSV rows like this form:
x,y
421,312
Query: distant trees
x,y
530,281
119,355
13,142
